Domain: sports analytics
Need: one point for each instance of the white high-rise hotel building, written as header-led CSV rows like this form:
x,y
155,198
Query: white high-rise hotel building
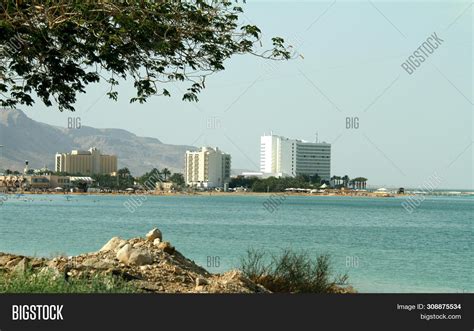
x,y
208,167
280,156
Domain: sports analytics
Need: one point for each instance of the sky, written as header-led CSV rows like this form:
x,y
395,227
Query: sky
x,y
347,65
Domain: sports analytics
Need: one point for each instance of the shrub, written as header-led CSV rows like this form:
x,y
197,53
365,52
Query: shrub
x,y
291,272
47,282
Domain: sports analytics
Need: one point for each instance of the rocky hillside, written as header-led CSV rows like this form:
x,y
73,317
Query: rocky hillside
x,y
26,139
150,263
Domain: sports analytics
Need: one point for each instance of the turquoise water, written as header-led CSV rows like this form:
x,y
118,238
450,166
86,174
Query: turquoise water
x,y
381,246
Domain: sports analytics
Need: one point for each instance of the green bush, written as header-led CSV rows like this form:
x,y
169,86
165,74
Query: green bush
x,y
291,272
47,282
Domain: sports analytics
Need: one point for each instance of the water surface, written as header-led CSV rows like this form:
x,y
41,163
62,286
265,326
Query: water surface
x,y
381,246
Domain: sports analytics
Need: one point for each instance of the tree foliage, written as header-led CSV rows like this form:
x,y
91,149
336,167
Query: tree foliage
x,y
177,179
276,184
149,179
273,184
55,48
106,181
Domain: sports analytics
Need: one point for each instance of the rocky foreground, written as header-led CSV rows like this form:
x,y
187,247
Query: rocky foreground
x,y
151,264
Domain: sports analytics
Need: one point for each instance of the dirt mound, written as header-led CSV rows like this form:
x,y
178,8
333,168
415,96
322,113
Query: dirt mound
x,y
149,263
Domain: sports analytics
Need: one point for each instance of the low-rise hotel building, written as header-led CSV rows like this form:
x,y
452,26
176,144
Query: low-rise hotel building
x,y
40,182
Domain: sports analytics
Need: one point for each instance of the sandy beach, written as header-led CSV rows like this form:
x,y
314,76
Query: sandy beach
x,y
216,193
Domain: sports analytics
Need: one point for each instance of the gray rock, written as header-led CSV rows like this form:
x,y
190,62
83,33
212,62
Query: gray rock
x,y
5,258
154,234
123,254
51,272
22,266
113,244
12,263
140,257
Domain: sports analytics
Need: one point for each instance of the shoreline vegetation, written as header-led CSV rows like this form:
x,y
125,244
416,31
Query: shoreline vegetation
x,y
151,265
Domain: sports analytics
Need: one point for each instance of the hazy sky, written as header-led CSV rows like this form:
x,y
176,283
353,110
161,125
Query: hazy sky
x,y
411,127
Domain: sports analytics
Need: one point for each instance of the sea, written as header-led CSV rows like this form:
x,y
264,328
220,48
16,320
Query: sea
x,y
382,246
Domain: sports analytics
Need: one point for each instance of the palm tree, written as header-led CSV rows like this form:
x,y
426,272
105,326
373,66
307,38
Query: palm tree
x,y
345,180
359,182
356,182
166,172
124,172
315,179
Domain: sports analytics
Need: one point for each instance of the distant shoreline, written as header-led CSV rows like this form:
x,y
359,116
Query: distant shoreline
x,y
356,194
329,194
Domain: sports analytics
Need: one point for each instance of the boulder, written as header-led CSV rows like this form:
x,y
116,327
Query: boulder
x,y
5,258
22,266
166,247
140,257
124,253
157,242
51,271
13,262
154,234
113,244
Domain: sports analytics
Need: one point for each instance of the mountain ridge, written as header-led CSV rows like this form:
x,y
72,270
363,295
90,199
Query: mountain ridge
x,y
26,139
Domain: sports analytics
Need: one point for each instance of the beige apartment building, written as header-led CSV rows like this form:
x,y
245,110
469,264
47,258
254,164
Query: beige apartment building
x,y
207,168
89,162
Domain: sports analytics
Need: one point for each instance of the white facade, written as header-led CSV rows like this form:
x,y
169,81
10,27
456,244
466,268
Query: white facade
x,y
207,168
268,153
282,156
